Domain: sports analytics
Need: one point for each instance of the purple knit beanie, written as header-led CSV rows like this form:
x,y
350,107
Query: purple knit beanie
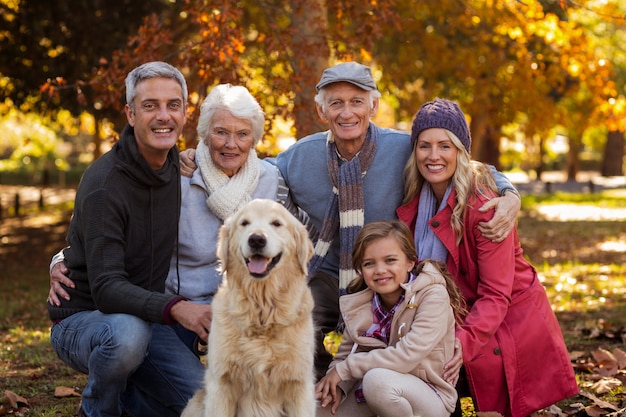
x,y
445,114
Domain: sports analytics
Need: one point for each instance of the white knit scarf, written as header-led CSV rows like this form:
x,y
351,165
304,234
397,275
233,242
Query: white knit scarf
x,y
227,194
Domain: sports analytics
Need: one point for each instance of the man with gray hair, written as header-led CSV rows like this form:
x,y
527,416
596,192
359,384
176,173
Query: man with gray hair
x,y
116,327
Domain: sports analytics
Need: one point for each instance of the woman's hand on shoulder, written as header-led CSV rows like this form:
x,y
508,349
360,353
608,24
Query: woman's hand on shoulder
x,y
188,162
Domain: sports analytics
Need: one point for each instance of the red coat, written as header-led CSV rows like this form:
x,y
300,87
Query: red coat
x,y
513,350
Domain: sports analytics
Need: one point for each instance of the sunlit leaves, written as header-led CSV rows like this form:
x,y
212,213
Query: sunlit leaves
x,y
29,142
504,61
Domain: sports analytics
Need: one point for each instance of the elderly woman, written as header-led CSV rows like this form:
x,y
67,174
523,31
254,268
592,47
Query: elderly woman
x,y
231,124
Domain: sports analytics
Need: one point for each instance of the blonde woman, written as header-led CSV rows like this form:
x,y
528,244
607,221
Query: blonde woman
x,y
509,323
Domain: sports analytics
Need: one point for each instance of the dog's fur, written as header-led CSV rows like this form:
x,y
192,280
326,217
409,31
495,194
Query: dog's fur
x,y
261,344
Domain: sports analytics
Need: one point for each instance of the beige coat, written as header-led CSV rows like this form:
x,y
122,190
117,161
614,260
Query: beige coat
x,y
421,339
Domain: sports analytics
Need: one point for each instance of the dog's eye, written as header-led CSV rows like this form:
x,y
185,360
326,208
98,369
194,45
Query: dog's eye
x,y
276,223
244,223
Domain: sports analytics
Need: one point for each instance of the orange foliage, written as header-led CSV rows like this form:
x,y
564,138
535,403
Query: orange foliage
x,y
497,58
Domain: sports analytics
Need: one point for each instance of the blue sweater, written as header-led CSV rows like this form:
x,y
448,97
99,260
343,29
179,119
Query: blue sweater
x,y
194,269
305,171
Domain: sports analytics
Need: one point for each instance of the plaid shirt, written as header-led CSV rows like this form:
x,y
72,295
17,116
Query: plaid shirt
x,y
380,328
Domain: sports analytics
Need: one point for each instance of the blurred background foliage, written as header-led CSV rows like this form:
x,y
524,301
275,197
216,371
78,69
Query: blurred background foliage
x,y
541,81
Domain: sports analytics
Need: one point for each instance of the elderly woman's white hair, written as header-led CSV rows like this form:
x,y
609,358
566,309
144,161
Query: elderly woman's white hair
x,y
239,102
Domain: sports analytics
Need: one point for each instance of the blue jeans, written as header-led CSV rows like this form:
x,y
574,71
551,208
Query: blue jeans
x,y
131,364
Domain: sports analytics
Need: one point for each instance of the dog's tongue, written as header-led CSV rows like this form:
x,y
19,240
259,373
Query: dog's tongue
x,y
258,264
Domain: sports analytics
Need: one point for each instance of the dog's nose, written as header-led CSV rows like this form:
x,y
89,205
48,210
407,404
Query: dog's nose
x,y
256,241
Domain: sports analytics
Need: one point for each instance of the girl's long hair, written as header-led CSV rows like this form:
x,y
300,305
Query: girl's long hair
x,y
457,302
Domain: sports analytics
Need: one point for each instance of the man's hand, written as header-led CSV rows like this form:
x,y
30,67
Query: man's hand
x,y
195,317
452,369
503,221
327,393
188,162
58,276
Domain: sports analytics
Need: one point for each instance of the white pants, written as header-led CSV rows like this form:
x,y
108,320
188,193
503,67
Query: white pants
x,y
390,394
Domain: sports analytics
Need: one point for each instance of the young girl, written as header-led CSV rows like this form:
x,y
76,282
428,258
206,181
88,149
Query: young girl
x,y
399,332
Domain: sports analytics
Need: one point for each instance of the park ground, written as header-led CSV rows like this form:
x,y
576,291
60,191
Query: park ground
x,y
574,232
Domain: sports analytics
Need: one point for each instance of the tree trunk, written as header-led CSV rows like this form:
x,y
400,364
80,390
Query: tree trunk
x,y
97,141
485,141
613,158
311,56
478,129
491,147
542,153
573,159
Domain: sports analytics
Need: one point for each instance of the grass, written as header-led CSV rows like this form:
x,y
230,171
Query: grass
x,y
582,264
28,365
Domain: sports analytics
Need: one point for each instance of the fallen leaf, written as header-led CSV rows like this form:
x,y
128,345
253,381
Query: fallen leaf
x,y
14,400
606,385
597,401
573,408
620,355
595,411
20,412
63,392
606,361
555,411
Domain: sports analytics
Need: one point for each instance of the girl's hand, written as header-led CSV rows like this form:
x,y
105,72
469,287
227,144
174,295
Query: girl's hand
x,y
326,391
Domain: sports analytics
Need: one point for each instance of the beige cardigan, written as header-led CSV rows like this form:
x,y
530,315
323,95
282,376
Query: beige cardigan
x,y
421,339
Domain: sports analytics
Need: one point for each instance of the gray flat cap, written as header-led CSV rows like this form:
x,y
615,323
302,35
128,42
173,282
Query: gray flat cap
x,y
350,72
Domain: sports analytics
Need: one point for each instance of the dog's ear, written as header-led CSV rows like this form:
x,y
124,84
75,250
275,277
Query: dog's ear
x,y
305,246
222,243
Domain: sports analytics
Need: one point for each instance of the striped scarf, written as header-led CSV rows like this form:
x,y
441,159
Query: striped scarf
x,y
346,208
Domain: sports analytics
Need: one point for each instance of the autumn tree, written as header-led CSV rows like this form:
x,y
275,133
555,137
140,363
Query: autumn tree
x,y
606,24
503,61
50,49
499,59
50,40
277,49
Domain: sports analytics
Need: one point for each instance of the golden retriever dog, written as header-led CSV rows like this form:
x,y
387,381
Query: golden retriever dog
x,y
261,344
